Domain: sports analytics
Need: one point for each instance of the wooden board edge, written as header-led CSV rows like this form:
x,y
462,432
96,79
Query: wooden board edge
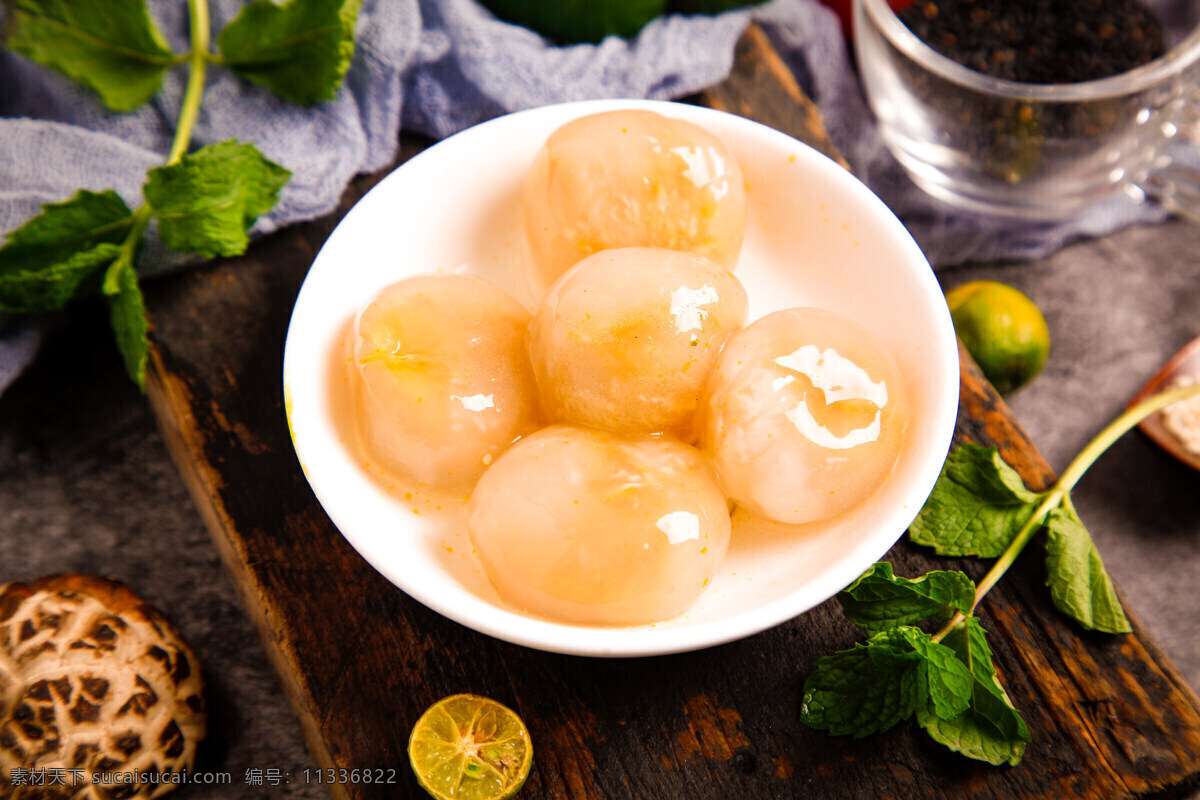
x,y
979,400
169,399
754,57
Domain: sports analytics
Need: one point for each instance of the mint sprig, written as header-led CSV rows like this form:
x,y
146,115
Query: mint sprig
x,y
947,680
204,202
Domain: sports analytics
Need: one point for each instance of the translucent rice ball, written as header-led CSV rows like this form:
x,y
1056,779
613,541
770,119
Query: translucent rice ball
x,y
805,415
582,526
441,378
633,179
626,339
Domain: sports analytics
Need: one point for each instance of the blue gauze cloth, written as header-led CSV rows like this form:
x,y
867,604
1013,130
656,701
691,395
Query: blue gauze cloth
x,y
436,67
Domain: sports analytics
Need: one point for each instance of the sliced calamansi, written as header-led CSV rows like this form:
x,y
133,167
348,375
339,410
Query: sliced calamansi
x,y
467,747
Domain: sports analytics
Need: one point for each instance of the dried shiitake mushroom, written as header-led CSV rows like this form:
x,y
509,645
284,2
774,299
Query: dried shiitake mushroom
x,y
93,683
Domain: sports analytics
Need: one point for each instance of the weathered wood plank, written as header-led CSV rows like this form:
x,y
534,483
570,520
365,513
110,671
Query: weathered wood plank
x,y
761,87
361,660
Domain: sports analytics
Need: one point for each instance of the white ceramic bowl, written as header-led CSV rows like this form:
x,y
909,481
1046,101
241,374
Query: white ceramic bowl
x,y
816,237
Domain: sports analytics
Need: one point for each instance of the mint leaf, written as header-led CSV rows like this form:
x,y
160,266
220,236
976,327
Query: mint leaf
x,y
864,690
65,228
205,203
127,311
300,50
947,680
1079,584
977,505
879,600
53,287
113,46
49,260
990,729
871,687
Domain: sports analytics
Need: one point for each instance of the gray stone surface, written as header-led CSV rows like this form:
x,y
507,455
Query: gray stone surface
x,y
86,483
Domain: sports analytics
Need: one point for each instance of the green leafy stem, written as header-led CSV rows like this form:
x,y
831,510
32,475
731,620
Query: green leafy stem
x,y
1058,497
127,307
203,202
978,507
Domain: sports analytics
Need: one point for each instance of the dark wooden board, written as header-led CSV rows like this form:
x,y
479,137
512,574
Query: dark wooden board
x,y
360,660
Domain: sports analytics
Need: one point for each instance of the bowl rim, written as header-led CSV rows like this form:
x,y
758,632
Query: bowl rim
x,y
508,625
1170,64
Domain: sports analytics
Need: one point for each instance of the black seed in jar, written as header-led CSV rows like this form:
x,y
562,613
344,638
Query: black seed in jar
x,y
1039,41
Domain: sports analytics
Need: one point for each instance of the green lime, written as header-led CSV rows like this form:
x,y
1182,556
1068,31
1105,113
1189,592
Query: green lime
x,y
709,6
569,21
466,747
1002,329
